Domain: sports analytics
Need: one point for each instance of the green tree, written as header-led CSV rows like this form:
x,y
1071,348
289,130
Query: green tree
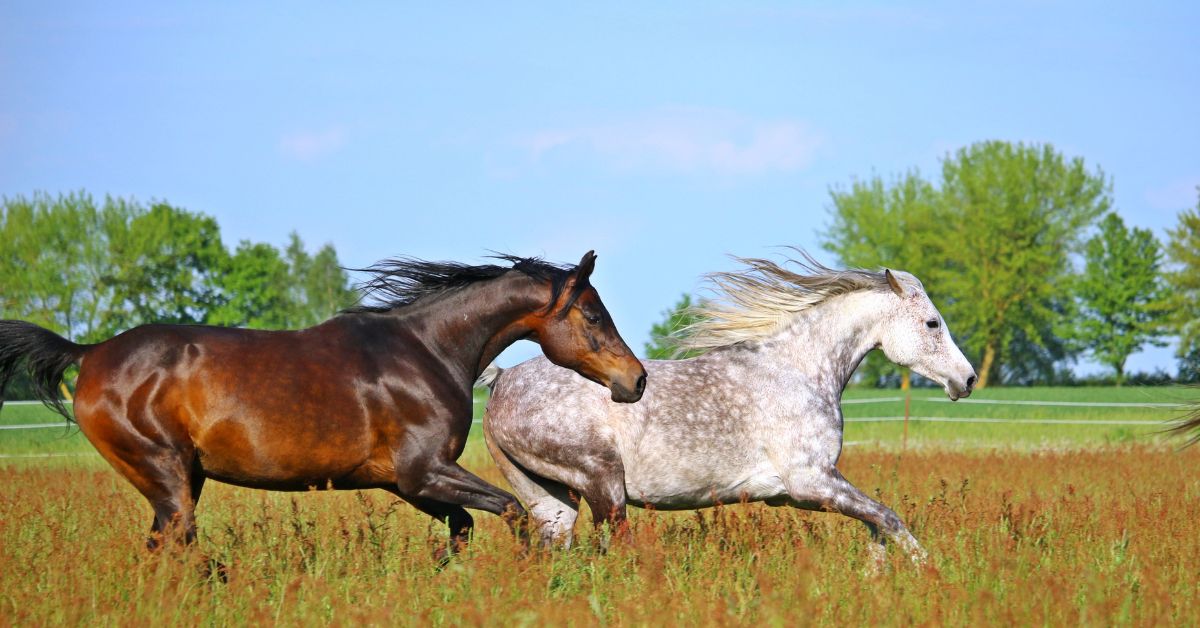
x,y
265,289
1183,252
54,257
55,262
89,270
255,286
166,268
880,225
1122,293
1008,218
320,287
660,346
1189,367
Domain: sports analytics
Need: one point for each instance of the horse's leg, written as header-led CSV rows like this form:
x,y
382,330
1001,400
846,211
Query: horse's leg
x,y
551,509
169,489
163,469
455,517
554,514
212,565
827,490
454,488
605,495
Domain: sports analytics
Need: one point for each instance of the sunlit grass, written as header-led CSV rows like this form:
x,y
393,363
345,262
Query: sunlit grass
x,y
1081,527
1102,536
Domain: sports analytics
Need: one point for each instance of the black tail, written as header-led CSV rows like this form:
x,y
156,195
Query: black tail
x,y
1189,424
41,353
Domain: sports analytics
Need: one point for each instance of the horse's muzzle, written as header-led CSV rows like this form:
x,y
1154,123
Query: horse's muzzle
x,y
625,394
956,391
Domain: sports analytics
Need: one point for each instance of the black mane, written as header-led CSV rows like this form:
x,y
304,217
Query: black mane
x,y
401,281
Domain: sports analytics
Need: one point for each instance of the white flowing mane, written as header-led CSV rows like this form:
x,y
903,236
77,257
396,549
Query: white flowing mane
x,y
753,303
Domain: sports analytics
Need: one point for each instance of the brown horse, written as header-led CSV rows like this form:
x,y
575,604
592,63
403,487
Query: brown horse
x,y
377,397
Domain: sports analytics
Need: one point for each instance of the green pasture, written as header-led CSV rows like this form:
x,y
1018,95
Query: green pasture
x,y
1015,417
874,419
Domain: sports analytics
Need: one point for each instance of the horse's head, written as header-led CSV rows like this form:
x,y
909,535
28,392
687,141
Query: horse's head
x,y
576,332
915,336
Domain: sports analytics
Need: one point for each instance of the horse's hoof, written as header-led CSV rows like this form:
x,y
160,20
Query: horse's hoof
x,y
876,563
442,557
213,569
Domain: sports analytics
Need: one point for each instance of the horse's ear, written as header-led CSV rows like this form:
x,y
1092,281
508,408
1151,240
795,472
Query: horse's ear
x,y
577,282
893,282
585,268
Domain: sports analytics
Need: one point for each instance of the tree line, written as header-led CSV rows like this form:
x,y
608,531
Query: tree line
x,y
1021,249
90,269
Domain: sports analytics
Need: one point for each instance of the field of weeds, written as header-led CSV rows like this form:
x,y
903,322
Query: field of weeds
x,y
1104,535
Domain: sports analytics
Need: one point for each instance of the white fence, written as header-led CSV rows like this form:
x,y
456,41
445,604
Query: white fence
x,y
1012,402
870,419
873,419
1009,402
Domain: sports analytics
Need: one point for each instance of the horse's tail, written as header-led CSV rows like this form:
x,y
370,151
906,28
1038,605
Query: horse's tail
x,y
42,354
1189,424
488,377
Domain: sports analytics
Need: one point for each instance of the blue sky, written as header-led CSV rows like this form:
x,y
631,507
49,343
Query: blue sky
x,y
663,136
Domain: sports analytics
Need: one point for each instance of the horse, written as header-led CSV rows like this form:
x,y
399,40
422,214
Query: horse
x,y
379,396
755,417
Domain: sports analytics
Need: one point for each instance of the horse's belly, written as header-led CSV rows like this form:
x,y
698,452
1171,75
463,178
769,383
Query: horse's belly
x,y
229,452
685,491
279,474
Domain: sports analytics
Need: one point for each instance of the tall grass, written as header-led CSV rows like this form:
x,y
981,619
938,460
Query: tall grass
x,y
1052,537
1027,524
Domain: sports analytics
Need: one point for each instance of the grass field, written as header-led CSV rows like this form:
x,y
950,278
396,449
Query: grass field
x,y
1076,523
1014,421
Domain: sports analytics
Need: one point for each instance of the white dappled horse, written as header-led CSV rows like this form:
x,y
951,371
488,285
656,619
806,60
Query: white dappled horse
x,y
757,417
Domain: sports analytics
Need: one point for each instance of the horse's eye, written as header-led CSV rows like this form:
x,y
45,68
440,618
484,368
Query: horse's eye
x,y
933,324
591,317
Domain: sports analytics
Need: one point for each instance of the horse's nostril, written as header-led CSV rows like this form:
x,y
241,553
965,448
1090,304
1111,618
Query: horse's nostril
x,y
641,384
970,382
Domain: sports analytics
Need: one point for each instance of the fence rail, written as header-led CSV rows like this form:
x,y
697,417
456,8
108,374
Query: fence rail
x,y
942,419
875,419
997,402
1015,402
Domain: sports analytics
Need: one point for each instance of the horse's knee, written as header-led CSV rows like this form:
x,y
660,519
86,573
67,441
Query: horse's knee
x,y
890,524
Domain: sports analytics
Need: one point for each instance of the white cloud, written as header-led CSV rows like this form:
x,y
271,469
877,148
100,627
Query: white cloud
x,y
309,145
685,140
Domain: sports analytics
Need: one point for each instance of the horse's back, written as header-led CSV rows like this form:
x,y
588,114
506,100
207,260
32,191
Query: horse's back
x,y
260,408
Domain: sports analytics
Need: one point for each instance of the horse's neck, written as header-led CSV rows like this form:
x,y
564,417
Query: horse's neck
x,y
828,342
470,326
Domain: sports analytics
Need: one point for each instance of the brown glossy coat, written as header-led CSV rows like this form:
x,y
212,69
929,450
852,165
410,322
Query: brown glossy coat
x,y
376,398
